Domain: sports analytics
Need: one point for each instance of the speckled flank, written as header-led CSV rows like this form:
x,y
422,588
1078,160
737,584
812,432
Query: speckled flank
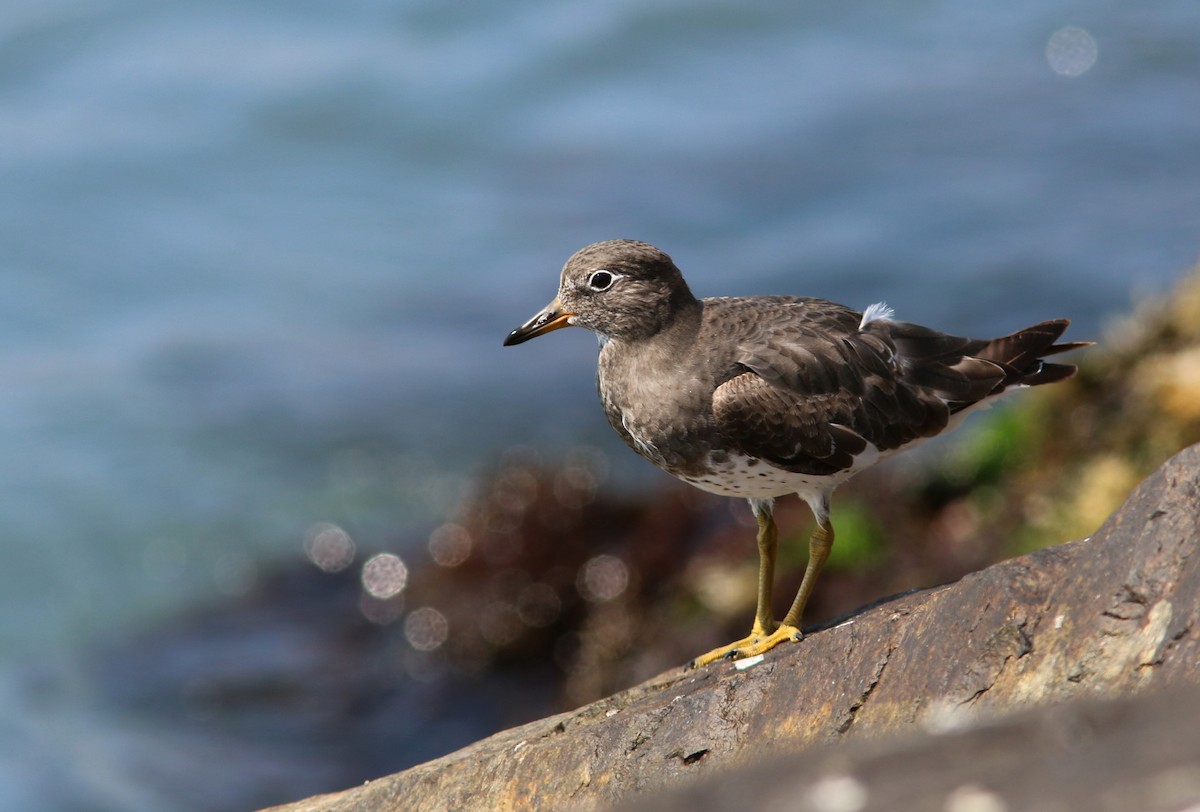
x,y
747,477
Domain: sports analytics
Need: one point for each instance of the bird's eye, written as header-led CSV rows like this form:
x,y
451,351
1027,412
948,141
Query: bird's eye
x,y
601,280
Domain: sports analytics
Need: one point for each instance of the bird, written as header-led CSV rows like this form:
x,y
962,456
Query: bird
x,y
762,397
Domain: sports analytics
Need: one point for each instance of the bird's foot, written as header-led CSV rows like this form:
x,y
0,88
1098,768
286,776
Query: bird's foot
x,y
755,643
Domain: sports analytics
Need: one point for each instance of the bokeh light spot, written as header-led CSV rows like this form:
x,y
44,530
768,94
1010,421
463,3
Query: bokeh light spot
x,y
1071,51
384,575
426,628
450,545
602,578
329,547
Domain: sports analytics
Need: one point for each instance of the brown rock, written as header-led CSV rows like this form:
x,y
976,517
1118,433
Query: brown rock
x,y
1108,616
1135,753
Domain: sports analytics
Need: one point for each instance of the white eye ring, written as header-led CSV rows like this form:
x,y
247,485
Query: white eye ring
x,y
602,279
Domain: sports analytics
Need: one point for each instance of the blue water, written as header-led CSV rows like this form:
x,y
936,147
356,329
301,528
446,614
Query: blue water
x,y
257,259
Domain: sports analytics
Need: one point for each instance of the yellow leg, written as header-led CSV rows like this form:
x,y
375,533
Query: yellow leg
x,y
757,642
819,546
764,623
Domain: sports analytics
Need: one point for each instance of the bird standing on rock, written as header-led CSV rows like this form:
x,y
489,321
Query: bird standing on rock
x,y
764,396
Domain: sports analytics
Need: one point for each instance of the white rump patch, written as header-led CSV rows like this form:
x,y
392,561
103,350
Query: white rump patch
x,y
876,312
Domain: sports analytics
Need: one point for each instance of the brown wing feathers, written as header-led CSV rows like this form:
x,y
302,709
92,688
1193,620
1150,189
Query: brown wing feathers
x,y
801,434
809,401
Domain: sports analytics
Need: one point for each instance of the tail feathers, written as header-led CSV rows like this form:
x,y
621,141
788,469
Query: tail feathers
x,y
1025,346
1022,352
965,379
964,371
1048,373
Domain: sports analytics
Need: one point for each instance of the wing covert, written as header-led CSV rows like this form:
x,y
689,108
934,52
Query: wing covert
x,y
810,401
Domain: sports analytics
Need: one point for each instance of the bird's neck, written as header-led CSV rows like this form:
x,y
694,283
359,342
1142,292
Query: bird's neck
x,y
682,325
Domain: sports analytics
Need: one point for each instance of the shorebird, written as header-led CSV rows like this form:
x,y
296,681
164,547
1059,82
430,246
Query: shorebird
x,y
765,396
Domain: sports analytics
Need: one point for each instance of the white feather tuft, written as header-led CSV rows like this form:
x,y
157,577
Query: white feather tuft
x,y
876,312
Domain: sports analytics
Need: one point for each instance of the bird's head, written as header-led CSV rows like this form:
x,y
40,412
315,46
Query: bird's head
x,y
618,289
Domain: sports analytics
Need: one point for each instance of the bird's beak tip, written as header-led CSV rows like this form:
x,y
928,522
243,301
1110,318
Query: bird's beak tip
x,y
552,317
515,337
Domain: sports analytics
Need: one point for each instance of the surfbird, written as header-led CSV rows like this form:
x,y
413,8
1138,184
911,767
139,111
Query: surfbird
x,y
765,396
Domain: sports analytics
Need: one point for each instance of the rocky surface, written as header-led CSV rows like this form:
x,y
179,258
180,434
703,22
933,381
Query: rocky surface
x,y
1109,616
1112,755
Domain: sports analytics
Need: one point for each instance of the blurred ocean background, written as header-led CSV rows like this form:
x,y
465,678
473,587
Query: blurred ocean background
x,y
256,262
